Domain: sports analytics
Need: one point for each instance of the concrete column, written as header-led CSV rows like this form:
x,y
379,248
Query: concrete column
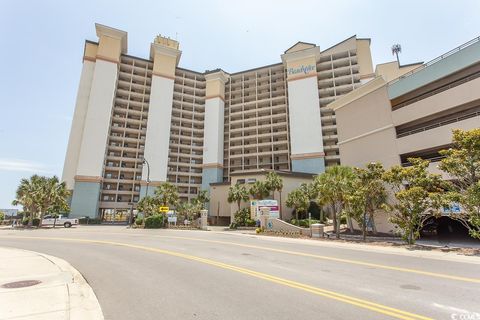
x,y
112,43
204,219
306,141
213,132
317,230
165,54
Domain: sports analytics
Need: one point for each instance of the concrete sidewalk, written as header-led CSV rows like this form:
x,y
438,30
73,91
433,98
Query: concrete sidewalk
x,y
55,289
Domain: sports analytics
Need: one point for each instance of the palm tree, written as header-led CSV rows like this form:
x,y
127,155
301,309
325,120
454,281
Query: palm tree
x,y
275,183
299,200
237,193
396,49
201,199
53,197
27,195
331,188
167,194
148,205
56,195
259,190
39,195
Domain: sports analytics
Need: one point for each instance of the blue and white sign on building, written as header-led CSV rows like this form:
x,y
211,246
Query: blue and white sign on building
x,y
454,208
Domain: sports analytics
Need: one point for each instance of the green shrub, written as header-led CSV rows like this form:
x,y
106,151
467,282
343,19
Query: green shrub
x,y
36,222
343,219
242,217
2,216
154,222
304,222
139,221
233,226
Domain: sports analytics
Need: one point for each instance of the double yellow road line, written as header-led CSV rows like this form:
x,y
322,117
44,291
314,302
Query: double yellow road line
x,y
365,304
348,261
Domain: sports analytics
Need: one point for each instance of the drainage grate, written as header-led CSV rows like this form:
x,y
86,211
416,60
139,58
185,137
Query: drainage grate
x,y
21,284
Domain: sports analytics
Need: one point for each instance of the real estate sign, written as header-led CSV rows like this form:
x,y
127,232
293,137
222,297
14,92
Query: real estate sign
x,y
256,205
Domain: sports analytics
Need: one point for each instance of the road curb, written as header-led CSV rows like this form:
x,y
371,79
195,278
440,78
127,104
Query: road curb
x,y
82,302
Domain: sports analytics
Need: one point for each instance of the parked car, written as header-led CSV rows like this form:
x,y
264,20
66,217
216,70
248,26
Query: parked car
x,y
49,220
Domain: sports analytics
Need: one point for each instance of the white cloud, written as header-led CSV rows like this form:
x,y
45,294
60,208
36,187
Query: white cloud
x,y
20,165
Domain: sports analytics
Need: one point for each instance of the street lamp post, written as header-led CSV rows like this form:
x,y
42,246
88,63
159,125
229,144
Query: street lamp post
x,y
148,173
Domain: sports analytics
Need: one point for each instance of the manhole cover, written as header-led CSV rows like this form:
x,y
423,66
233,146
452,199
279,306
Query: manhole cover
x,y
21,284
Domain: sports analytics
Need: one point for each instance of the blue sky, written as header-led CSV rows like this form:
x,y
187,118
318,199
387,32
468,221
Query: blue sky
x,y
42,47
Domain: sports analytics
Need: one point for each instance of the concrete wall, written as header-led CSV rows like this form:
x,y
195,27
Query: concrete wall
x,y
219,194
313,165
158,128
213,132
282,226
391,70
373,136
450,64
304,117
85,199
78,123
434,137
97,120
211,175
218,204
442,101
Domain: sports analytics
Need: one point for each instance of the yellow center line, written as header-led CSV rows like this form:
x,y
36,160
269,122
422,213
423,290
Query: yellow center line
x,y
349,261
322,257
365,304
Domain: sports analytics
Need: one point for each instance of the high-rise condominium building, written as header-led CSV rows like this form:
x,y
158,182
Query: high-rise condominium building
x,y
140,122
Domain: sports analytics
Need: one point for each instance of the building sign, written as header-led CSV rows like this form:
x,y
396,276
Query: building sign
x,y
257,205
301,70
454,208
163,209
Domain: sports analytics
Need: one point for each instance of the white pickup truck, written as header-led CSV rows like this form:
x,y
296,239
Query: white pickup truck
x,y
60,221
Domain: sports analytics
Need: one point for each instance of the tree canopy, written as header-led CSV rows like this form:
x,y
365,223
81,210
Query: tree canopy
x,y
462,163
39,195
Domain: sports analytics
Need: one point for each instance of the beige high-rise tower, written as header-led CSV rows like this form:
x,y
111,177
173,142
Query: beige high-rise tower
x,y
141,122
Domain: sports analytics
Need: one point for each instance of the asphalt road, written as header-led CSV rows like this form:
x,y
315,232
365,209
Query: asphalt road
x,y
167,274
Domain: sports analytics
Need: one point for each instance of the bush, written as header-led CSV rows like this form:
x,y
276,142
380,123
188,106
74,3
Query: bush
x,y
2,216
343,219
88,220
304,222
154,222
36,222
242,217
139,221
233,226
250,223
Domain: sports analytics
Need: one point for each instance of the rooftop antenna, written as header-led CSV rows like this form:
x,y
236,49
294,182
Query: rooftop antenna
x,y
396,49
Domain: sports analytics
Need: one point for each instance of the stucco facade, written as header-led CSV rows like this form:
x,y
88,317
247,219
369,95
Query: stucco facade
x,y
411,116
140,122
